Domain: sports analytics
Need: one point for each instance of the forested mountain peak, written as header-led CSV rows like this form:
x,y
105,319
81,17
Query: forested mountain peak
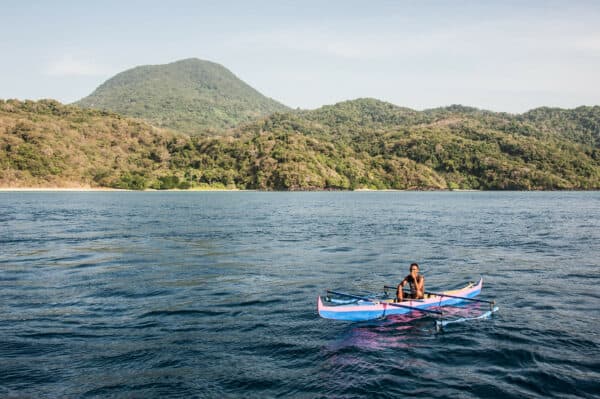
x,y
361,112
581,124
192,96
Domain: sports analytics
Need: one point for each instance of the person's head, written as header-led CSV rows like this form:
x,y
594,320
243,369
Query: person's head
x,y
414,268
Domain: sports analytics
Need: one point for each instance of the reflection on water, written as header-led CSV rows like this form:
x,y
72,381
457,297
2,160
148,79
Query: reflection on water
x,y
395,332
403,331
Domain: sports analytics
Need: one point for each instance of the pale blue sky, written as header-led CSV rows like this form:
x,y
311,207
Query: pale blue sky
x,y
504,56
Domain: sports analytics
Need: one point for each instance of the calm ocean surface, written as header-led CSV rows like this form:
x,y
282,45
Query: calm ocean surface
x,y
213,294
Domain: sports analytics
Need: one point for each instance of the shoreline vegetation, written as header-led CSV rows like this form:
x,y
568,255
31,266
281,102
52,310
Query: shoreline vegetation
x,y
356,145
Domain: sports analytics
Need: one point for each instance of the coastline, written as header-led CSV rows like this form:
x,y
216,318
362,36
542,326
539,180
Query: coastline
x,y
108,189
18,189
100,189
204,189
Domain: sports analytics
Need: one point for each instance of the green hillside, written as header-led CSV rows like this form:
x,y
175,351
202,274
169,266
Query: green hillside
x,y
47,144
190,96
356,144
464,147
581,124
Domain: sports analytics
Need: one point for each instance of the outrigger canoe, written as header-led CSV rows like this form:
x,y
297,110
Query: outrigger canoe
x,y
363,308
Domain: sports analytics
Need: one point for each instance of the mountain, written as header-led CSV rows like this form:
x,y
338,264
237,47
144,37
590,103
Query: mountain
x,y
190,96
362,143
581,124
463,147
363,112
366,115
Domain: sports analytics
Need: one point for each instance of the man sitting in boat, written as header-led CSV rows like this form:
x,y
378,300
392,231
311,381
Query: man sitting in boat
x,y
416,283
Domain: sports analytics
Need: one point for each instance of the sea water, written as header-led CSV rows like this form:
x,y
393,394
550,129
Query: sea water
x,y
213,294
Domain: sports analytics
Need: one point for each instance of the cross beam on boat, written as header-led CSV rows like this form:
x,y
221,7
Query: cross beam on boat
x,y
441,294
366,299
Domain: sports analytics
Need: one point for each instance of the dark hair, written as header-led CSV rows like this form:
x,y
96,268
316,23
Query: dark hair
x,y
414,264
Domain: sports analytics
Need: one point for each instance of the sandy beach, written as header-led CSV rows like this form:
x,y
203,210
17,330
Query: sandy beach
x,y
59,189
92,189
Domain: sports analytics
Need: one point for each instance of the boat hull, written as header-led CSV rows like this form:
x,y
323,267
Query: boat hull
x,y
364,310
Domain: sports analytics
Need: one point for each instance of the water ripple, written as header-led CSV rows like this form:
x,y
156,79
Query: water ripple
x,y
214,294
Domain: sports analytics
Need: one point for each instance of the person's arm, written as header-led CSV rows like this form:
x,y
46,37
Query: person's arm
x,y
399,292
420,283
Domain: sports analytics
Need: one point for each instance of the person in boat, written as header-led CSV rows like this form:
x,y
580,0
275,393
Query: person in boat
x,y
416,283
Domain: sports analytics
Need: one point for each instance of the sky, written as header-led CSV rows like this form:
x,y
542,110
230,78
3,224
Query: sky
x,y
508,56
